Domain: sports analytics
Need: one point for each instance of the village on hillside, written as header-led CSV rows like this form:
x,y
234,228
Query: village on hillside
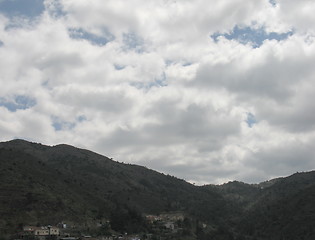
x,y
163,226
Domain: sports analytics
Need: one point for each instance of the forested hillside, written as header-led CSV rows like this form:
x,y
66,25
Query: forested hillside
x,y
41,184
47,185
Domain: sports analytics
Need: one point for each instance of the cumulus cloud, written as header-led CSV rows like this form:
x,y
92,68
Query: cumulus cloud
x,y
209,91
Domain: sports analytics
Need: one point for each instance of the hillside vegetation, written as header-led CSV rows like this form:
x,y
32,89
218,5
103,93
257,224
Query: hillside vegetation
x,y
47,185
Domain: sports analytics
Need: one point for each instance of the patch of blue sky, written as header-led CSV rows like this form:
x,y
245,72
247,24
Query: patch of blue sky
x,y
250,120
161,81
158,82
133,42
169,62
81,118
17,23
248,35
119,67
19,102
186,64
24,8
78,33
273,2
60,125
56,10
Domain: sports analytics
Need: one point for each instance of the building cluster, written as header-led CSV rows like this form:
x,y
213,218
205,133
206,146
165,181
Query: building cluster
x,y
41,233
168,220
166,224
57,233
162,225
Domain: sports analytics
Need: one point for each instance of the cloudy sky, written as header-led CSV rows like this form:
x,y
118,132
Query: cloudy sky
x,y
205,90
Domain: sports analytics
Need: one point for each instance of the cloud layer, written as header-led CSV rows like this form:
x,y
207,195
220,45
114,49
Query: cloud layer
x,y
208,91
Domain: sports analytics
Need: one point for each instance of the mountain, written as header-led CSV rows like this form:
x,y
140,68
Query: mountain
x,y
281,208
42,185
285,210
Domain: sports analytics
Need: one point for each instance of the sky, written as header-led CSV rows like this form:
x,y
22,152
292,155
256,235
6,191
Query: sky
x,y
208,91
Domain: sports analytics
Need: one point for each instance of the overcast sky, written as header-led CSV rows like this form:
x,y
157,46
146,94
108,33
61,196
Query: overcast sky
x,y
205,90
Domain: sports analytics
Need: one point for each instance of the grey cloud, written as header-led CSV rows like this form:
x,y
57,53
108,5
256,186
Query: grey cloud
x,y
206,172
167,21
273,79
195,122
59,62
298,14
294,117
253,175
134,42
284,159
27,124
199,128
105,100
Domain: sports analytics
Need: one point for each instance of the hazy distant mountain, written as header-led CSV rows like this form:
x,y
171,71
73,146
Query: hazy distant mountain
x,y
46,185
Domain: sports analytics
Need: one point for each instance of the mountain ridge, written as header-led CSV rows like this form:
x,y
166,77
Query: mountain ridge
x,y
79,180
42,184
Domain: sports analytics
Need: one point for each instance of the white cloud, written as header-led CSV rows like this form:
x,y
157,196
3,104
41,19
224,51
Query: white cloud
x,y
160,91
298,14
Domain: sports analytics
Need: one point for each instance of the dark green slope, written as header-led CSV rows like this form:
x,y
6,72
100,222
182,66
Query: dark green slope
x,y
41,184
284,210
47,185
